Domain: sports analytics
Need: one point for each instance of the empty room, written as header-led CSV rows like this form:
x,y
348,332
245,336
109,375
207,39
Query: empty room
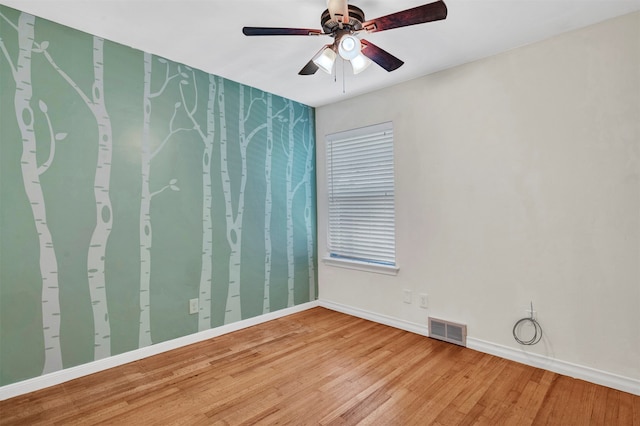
x,y
320,212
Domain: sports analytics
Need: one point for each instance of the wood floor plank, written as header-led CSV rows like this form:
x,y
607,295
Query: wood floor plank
x,y
323,367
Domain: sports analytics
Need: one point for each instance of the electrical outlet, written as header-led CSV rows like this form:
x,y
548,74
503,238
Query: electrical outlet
x,y
424,300
406,296
193,306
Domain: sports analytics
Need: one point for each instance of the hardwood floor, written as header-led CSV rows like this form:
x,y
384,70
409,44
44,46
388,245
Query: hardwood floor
x,y
323,367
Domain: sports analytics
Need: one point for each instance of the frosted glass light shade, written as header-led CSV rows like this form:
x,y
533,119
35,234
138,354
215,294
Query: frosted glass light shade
x,y
360,63
349,47
325,60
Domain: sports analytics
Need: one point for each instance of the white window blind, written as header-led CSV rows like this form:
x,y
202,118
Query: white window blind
x,y
360,177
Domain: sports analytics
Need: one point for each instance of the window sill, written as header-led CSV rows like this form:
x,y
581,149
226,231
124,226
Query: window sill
x,y
361,266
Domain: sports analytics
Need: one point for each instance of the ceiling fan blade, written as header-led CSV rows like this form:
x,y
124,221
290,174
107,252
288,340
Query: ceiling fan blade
x,y
381,57
271,31
417,15
309,69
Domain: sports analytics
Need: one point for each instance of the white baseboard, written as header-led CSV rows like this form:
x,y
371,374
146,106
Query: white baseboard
x,y
565,368
588,374
57,377
372,316
603,378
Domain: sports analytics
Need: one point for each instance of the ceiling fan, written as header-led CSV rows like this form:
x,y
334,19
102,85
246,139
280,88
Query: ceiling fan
x,y
344,23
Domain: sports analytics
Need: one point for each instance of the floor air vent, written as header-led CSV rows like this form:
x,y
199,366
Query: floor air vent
x,y
448,331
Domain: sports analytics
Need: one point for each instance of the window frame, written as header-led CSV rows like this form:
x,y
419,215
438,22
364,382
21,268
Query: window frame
x,y
367,134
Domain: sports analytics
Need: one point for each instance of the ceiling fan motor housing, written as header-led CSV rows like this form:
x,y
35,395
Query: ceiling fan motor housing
x,y
330,26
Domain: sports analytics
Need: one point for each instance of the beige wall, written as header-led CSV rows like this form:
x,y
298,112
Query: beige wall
x,y
517,180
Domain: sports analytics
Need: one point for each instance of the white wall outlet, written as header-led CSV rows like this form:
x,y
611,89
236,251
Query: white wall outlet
x,y
406,296
424,300
193,306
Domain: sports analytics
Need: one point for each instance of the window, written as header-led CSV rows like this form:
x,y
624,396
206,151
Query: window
x,y
360,185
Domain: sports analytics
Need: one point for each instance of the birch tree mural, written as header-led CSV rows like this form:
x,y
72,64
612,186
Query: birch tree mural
x,y
21,72
234,221
89,207
204,289
100,236
146,231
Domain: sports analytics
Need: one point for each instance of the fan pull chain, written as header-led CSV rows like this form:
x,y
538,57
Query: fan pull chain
x,y
335,73
344,89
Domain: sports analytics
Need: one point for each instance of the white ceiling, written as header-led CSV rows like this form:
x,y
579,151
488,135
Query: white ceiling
x,y
206,34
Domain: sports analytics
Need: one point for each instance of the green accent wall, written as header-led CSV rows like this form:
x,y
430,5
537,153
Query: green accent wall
x,y
130,184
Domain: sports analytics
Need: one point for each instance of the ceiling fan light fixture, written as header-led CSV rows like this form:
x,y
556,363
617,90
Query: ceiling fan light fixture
x,y
360,63
349,47
325,59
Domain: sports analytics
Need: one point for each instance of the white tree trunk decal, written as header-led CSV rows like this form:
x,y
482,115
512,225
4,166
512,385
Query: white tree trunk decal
x,y
233,310
310,148
291,191
268,204
146,232
102,230
100,236
268,207
206,270
21,72
144,333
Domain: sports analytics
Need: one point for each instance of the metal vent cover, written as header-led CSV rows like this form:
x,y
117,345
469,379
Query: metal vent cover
x,y
448,331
